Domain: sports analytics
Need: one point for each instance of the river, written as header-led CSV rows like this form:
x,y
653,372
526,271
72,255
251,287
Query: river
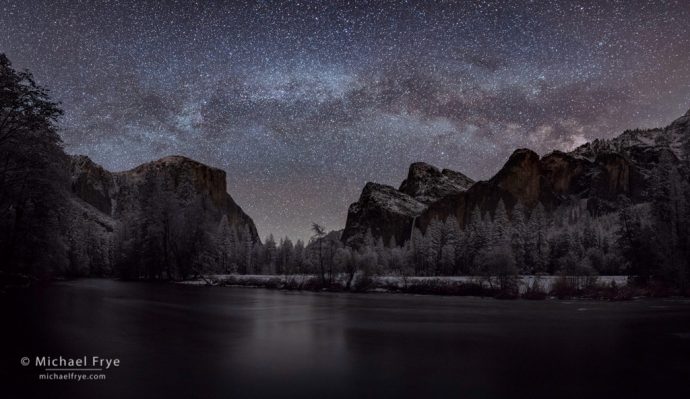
x,y
180,341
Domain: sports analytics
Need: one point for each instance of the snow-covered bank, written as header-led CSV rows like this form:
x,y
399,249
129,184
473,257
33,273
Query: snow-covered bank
x,y
546,283
448,285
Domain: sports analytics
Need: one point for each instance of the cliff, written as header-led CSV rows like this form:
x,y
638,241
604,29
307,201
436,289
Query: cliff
x,y
607,174
168,211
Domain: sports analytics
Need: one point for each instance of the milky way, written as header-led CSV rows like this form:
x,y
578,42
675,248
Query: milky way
x,y
302,103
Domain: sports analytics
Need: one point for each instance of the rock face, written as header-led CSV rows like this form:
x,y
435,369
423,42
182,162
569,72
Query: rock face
x,y
391,213
189,182
521,177
643,146
169,199
92,183
555,179
427,184
385,211
642,150
605,173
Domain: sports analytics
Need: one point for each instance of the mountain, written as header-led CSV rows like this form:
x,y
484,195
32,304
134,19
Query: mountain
x,y
162,213
387,212
642,144
606,174
390,213
121,194
427,184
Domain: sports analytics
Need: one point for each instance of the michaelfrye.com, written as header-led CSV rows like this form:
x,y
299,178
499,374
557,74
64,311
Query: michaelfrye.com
x,y
61,368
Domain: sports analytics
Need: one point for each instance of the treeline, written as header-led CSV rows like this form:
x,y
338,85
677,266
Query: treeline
x,y
565,241
649,242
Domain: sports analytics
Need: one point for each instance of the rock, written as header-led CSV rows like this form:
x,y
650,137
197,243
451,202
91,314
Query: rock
x,y
606,173
643,146
148,199
92,183
555,179
565,174
427,184
483,196
185,180
385,211
521,177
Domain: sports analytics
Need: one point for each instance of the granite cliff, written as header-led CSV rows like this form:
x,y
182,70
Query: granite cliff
x,y
163,212
606,174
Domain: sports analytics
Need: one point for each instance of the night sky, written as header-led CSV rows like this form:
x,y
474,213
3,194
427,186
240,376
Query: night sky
x,y
302,103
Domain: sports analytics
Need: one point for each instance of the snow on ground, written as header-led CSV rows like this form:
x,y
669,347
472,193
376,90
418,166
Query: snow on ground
x,y
544,282
524,282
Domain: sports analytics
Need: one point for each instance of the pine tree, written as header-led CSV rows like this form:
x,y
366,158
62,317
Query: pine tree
x,y
537,248
519,237
636,244
299,260
433,242
668,208
418,250
287,257
477,238
383,254
270,249
501,223
452,234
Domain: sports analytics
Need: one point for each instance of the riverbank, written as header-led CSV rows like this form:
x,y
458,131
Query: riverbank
x,y
525,287
531,287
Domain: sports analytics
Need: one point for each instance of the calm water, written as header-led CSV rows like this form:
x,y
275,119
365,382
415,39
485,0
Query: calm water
x,y
184,341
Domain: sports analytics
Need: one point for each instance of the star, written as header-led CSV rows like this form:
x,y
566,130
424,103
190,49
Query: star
x,y
302,103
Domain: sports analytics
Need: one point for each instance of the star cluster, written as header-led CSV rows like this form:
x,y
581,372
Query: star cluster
x,y
303,102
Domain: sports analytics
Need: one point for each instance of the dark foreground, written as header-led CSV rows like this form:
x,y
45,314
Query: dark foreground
x,y
177,341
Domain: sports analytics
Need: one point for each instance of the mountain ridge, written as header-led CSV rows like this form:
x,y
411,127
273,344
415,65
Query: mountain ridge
x,y
605,173
174,206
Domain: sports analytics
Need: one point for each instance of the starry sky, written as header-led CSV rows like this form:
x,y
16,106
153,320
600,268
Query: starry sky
x,y
304,102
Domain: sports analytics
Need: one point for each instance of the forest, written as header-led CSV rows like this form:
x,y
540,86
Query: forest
x,y
646,242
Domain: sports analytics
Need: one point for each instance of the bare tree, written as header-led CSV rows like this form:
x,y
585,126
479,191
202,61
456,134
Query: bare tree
x,y
319,233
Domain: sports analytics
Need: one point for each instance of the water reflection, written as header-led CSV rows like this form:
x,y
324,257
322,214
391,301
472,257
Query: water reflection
x,y
181,341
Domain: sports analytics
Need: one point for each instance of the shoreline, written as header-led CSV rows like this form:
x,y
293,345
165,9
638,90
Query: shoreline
x,y
605,288
528,287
